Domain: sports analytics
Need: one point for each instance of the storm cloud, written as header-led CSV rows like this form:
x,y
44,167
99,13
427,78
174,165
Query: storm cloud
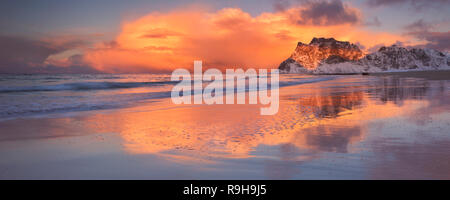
x,y
418,4
25,55
419,25
423,30
324,13
436,40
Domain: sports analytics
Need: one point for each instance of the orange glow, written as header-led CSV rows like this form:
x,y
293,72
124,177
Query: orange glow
x,y
227,38
186,133
192,134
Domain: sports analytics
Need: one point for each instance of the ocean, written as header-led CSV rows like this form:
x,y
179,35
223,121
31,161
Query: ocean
x,y
125,126
39,95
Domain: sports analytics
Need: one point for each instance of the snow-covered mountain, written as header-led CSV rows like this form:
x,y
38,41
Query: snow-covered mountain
x,y
310,55
324,56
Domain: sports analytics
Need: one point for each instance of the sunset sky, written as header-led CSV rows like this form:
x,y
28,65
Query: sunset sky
x,y
136,36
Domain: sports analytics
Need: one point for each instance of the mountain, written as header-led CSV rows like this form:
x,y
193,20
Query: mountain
x,y
395,58
327,55
309,56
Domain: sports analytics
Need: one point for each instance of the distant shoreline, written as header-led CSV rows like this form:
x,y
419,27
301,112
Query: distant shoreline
x,y
435,74
431,74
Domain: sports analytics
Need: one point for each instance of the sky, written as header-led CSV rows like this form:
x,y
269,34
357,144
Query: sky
x,y
158,36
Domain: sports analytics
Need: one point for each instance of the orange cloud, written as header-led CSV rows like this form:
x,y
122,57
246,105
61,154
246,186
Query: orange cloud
x,y
161,42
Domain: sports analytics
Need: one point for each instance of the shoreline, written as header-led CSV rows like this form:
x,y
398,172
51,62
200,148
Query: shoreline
x,y
351,127
440,74
431,74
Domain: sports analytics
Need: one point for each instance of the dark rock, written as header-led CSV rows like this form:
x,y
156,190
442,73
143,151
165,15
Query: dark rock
x,y
333,59
285,64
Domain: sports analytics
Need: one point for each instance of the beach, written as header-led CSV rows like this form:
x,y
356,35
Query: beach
x,y
377,126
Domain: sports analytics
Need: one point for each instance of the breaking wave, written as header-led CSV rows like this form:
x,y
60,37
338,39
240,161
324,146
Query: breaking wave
x,y
83,86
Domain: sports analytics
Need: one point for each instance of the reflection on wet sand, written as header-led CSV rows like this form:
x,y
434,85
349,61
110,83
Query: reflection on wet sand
x,y
396,90
217,131
325,120
351,127
329,106
322,121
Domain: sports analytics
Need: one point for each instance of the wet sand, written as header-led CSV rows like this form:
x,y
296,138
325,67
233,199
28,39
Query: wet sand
x,y
429,75
385,126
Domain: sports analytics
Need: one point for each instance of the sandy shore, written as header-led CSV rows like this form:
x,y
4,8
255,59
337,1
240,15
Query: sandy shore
x,y
385,126
430,75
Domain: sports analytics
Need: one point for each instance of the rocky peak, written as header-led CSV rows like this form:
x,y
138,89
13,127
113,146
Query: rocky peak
x,y
311,55
332,43
301,44
327,55
394,49
395,57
